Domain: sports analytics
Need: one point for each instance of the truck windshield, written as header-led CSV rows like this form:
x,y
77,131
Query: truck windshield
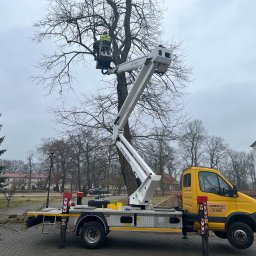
x,y
210,182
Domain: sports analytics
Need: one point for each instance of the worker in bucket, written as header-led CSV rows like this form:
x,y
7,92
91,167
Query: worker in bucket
x,y
105,43
102,51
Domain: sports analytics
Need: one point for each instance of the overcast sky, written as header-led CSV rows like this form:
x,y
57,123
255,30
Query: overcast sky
x,y
219,40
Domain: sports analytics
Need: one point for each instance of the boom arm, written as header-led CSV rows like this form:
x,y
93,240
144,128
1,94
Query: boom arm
x,y
156,61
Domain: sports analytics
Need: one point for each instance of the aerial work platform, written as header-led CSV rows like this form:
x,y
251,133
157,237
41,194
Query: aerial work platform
x,y
125,218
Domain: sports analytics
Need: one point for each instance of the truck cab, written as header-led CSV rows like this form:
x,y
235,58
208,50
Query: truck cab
x,y
231,214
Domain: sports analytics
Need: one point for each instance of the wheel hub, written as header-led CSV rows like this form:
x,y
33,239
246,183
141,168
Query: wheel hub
x,y
92,235
240,236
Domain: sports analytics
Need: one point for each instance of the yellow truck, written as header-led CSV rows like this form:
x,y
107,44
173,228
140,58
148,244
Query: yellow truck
x,y
231,214
228,213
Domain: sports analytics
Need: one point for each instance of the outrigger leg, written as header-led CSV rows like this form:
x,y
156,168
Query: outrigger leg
x,y
63,229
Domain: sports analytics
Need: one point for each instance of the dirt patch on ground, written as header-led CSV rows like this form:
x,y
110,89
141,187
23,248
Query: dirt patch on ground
x,y
171,202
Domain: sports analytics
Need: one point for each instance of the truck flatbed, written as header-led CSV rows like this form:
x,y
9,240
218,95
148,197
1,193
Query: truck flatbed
x,y
124,219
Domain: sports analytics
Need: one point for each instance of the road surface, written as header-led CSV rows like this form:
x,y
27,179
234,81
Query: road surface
x,y
16,240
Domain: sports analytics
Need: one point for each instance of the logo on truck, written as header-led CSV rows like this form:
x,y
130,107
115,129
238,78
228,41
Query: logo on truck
x,y
216,208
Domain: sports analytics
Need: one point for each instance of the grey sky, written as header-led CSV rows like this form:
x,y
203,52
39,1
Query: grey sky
x,y
219,42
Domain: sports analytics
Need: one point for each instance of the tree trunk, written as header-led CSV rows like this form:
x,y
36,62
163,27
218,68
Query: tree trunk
x,y
30,174
63,183
78,174
88,176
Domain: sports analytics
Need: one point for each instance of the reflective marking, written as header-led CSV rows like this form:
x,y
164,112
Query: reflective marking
x,y
165,230
53,214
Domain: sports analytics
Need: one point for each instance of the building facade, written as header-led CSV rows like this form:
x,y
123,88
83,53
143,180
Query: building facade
x,y
20,181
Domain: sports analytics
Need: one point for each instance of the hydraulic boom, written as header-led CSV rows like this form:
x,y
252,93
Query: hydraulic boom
x,y
156,61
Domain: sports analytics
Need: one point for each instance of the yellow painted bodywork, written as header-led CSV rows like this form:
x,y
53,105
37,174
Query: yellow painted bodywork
x,y
161,230
219,207
212,226
245,203
35,214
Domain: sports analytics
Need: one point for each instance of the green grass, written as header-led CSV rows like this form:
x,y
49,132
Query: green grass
x,y
120,200
19,200
155,200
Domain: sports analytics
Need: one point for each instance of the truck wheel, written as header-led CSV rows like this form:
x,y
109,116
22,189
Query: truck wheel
x,y
220,234
92,235
240,235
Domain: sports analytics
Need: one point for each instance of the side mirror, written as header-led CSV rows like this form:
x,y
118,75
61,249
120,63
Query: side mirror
x,y
235,191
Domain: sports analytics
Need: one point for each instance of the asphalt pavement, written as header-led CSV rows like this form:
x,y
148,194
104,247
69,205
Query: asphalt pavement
x,y
16,240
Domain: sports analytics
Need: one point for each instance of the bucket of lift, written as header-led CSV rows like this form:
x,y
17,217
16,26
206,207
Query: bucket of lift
x,y
105,56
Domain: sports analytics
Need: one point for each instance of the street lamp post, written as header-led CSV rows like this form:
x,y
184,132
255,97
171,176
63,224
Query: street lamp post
x,y
49,182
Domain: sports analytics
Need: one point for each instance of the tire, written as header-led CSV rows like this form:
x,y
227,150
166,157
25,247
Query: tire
x,y
220,234
92,235
240,235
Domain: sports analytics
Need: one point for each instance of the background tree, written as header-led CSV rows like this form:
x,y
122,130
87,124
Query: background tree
x,y
7,193
215,151
2,180
30,167
251,169
238,168
191,142
76,144
134,27
61,159
44,150
83,159
93,161
14,166
161,158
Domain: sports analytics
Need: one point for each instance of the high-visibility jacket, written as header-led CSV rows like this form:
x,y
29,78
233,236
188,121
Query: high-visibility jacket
x,y
105,38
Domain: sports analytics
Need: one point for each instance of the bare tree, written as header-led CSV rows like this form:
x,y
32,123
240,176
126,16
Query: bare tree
x,y
14,166
76,147
191,142
49,146
215,151
8,194
29,159
238,168
98,155
117,183
134,27
91,145
2,165
251,170
160,156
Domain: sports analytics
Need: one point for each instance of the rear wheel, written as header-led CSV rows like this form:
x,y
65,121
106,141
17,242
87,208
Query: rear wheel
x,y
92,235
240,235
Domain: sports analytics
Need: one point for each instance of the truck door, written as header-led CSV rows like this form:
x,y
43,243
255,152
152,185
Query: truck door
x,y
187,192
221,202
189,199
